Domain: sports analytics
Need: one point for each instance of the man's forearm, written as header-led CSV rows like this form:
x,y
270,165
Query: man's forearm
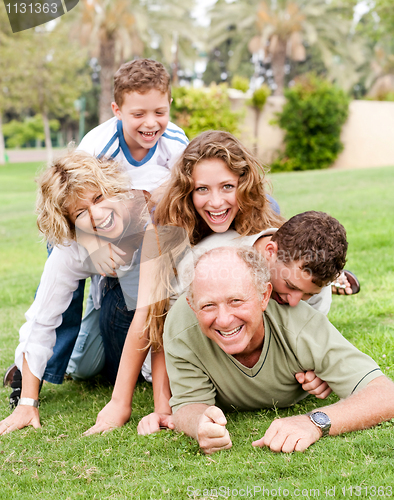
x,y
364,409
186,419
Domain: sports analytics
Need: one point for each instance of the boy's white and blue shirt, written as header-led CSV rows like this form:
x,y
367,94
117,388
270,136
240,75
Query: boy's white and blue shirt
x,y
108,140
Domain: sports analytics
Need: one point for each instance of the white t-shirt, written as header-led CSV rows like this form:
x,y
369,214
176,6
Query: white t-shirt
x,y
60,278
108,140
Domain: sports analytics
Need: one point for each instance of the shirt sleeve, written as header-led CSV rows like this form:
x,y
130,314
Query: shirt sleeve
x,y
322,301
334,359
60,279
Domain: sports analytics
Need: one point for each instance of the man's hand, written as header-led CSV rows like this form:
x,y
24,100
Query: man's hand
x,y
21,417
111,416
212,434
313,384
290,434
154,422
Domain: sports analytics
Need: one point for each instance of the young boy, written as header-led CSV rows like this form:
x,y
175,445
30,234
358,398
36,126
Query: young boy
x,y
141,138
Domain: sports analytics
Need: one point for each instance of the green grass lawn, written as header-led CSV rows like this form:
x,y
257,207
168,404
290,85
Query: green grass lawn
x,y
57,462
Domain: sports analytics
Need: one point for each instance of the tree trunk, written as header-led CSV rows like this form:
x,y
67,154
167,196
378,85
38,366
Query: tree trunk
x,y
256,130
47,132
2,144
107,71
278,61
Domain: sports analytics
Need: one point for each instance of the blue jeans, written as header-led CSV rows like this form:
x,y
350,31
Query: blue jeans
x,y
115,319
66,335
274,204
87,358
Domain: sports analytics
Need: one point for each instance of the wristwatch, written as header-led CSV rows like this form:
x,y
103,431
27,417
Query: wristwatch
x,y
28,402
321,420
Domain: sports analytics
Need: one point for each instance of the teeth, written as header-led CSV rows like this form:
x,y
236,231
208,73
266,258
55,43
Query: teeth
x,y
107,221
215,215
228,334
150,134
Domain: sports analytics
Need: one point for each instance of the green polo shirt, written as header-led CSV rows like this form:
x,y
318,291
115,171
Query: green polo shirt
x,y
296,339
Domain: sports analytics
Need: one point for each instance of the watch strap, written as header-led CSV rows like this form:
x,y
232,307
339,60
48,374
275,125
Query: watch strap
x,y
28,402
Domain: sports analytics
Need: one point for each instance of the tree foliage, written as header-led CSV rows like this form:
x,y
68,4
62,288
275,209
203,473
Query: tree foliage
x,y
115,32
312,117
45,73
280,30
240,83
31,129
196,110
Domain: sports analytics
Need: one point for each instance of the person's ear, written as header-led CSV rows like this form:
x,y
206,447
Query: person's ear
x,y
116,110
191,305
271,250
266,296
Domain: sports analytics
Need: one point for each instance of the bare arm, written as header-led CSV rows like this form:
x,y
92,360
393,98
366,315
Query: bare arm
x,y
206,424
364,409
162,415
24,416
117,412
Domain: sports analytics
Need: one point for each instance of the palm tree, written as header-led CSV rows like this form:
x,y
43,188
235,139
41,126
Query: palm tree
x,y
119,30
280,29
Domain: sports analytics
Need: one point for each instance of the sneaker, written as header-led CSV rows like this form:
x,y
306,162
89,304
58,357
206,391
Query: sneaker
x,y
16,386
9,374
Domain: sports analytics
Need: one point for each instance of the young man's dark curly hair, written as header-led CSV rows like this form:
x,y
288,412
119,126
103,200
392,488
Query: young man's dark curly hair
x,y
317,241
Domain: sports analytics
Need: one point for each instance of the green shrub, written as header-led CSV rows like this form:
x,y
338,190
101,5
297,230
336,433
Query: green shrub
x,y
240,83
196,110
18,134
259,97
312,117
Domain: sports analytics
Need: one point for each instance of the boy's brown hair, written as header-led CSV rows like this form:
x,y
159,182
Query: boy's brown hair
x,y
141,75
317,241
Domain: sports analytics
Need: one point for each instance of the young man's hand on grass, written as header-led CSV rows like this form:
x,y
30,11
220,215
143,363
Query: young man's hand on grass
x,y
313,384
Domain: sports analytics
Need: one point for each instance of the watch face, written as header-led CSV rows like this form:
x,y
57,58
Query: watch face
x,y
320,418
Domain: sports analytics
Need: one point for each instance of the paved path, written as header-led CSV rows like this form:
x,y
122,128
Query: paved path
x,y
27,155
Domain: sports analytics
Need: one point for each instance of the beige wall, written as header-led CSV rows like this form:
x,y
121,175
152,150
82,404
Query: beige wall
x,y
368,134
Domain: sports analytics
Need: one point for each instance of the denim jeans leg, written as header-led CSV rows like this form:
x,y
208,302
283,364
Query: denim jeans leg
x,y
87,358
66,335
115,320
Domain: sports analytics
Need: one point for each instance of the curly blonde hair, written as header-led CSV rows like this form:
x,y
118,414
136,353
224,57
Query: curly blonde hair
x,y
176,208
176,205
67,179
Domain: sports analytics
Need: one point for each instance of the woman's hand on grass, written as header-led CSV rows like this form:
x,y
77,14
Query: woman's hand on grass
x,y
21,417
154,422
111,416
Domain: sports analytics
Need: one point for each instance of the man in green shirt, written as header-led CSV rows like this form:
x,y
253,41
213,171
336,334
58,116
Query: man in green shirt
x,y
234,348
